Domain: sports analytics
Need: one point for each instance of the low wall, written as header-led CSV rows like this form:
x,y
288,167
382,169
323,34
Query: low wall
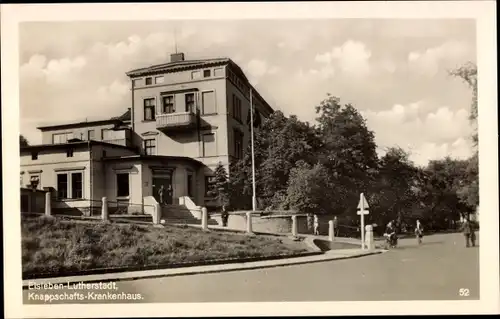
x,y
280,223
194,209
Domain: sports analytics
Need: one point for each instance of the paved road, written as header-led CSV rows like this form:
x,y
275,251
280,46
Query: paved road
x,y
436,270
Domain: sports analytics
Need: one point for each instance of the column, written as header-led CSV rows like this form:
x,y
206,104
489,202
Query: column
x,y
104,211
204,219
157,214
249,222
48,208
369,240
331,230
294,226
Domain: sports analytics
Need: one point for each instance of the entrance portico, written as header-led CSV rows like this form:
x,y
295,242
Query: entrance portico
x,y
166,178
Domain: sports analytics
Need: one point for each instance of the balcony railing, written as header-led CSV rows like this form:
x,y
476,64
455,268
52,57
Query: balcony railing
x,y
175,121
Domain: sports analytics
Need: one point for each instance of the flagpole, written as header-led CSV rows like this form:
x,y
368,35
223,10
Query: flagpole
x,y
254,197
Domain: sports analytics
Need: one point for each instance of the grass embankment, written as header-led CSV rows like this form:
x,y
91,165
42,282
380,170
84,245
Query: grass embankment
x,y
54,246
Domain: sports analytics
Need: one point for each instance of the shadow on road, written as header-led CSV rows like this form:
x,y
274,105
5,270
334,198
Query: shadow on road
x,y
431,243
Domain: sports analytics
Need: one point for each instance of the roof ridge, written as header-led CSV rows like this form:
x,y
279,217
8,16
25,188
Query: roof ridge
x,y
175,64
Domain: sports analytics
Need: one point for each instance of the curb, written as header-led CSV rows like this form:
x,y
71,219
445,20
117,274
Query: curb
x,y
181,265
208,271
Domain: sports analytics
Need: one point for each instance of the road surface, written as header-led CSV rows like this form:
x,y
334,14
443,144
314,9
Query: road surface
x,y
440,269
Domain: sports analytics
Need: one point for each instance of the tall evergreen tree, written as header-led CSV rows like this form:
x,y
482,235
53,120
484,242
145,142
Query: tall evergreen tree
x,y
219,187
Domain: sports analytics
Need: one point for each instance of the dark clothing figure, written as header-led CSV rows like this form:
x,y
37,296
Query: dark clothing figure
x,y
468,232
335,226
390,231
225,217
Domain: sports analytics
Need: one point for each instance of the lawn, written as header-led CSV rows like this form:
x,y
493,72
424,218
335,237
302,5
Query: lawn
x,y
55,246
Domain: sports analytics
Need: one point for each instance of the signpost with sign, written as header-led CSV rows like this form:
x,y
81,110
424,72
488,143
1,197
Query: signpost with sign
x,y
362,211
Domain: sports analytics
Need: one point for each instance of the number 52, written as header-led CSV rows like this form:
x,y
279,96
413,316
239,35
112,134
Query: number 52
x,y
463,292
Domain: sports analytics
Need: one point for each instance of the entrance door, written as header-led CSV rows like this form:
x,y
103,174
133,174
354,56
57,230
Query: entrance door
x,y
166,182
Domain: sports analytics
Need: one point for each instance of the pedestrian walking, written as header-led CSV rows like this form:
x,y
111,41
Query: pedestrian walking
x,y
419,232
310,223
316,225
472,233
335,226
224,216
467,231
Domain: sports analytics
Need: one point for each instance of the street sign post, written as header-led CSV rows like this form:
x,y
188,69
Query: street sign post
x,y
362,211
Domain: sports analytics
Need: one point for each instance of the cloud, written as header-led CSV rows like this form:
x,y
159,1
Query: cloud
x,y
66,78
460,148
432,60
256,69
428,135
352,58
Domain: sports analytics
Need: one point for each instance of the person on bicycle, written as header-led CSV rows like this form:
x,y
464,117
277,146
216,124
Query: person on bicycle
x,y
391,233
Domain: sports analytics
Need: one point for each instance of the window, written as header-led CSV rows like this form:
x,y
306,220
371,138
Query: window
x,y
91,135
122,185
104,153
208,183
190,185
236,108
159,79
195,75
189,102
149,81
218,72
34,156
168,104
149,109
209,145
67,188
206,73
35,181
61,138
238,144
150,146
136,82
62,186
208,102
69,153
76,185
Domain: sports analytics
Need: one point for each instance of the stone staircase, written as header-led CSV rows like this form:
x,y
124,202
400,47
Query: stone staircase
x,y
178,214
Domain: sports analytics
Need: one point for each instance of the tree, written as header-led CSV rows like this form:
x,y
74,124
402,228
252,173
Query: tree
x,y
468,73
394,194
348,151
469,192
279,143
219,187
23,141
306,188
441,182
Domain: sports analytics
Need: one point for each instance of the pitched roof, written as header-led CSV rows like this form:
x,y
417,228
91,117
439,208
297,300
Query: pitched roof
x,y
179,66
125,117
154,158
75,144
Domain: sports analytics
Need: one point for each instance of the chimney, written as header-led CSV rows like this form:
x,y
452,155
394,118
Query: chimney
x,y
177,57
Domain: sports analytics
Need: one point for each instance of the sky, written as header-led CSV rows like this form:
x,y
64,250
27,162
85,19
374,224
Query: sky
x,y
395,72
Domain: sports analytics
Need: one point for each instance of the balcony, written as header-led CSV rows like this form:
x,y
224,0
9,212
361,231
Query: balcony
x,y
175,122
